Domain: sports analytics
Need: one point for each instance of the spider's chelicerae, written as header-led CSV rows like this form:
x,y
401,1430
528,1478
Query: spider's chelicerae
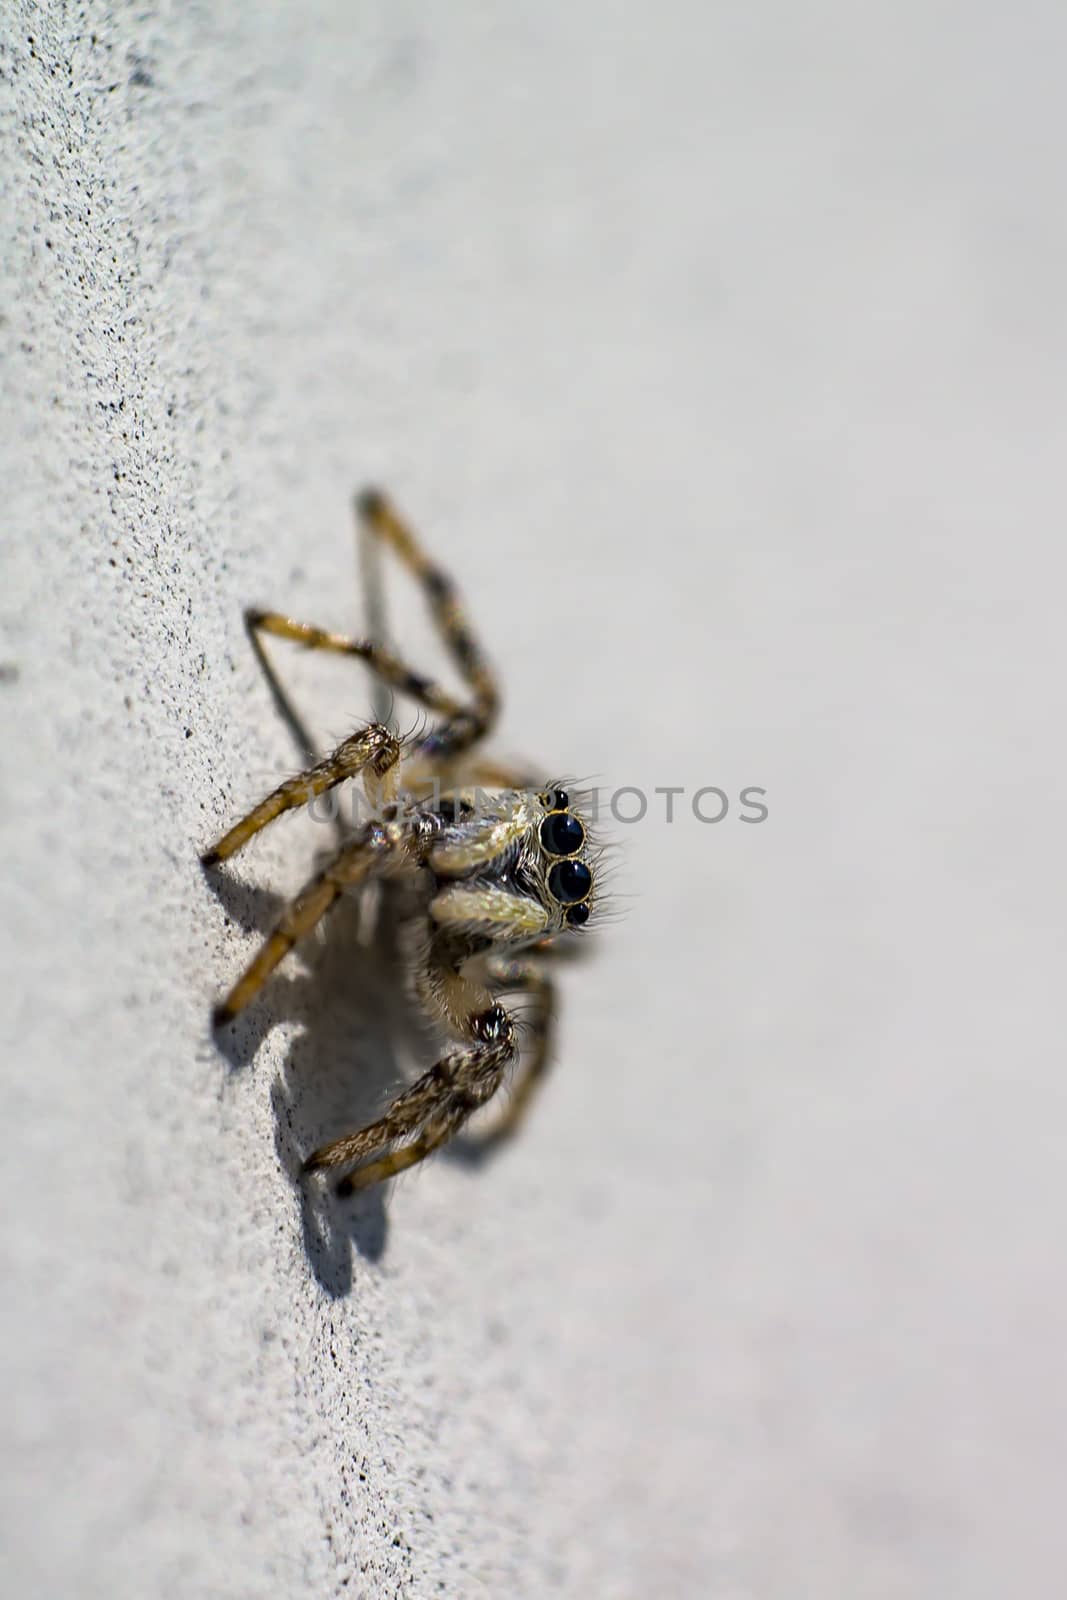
x,y
497,865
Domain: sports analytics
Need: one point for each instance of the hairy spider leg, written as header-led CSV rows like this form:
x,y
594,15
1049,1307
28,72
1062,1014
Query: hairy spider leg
x,y
440,1101
378,850
373,751
283,700
464,724
372,531
523,974
429,1112
471,723
389,667
476,1077
375,608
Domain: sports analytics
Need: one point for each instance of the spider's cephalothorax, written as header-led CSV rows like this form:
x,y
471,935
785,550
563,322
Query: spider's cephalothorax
x,y
503,864
509,865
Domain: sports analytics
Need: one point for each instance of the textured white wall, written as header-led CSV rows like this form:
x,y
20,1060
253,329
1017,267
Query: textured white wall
x,y
720,352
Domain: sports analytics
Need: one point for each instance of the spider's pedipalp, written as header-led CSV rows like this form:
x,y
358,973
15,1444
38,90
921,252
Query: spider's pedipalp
x,y
504,914
496,826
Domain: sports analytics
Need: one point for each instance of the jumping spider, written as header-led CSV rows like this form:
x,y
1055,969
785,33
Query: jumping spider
x,y
496,864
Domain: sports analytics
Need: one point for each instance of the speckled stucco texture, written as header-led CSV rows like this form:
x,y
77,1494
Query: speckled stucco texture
x,y
719,352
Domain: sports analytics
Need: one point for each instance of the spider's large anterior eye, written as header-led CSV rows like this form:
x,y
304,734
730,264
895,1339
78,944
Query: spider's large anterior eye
x,y
569,881
562,834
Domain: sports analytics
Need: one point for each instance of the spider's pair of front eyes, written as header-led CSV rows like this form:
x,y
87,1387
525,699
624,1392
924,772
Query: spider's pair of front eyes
x,y
569,881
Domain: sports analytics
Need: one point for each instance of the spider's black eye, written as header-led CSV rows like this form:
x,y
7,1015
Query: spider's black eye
x,y
555,799
562,834
569,881
577,916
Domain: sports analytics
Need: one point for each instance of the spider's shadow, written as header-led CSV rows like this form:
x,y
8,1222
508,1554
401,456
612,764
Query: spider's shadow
x,y
342,1065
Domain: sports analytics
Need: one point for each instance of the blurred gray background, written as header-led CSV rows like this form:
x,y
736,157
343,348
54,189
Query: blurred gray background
x,y
719,352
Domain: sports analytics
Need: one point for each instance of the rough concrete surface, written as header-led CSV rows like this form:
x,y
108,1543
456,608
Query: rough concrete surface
x,y
719,351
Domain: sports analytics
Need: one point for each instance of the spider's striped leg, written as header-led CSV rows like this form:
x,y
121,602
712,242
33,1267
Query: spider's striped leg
x,y
374,751
431,1111
523,975
457,1108
426,1115
377,850
283,702
390,668
467,724
375,611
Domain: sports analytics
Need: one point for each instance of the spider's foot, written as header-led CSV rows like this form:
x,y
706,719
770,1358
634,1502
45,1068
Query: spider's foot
x,y
345,1186
370,503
